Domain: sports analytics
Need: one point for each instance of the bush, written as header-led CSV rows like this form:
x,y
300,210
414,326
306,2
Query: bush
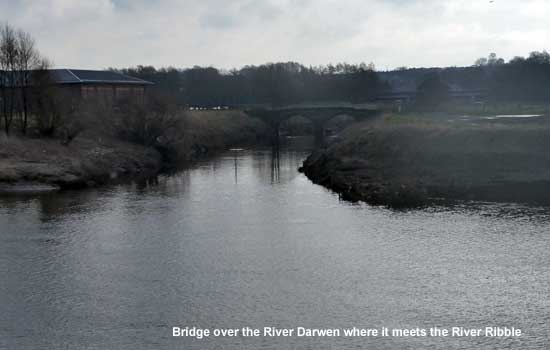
x,y
153,124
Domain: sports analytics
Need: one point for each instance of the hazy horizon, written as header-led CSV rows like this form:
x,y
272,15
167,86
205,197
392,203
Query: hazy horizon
x,y
391,33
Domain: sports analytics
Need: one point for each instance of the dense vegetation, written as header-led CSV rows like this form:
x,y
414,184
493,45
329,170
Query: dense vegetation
x,y
519,80
272,84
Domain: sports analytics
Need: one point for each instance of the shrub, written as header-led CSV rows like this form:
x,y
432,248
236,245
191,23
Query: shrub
x,y
153,124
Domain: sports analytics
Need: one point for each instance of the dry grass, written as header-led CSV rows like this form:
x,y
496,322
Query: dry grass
x,y
207,131
442,158
96,155
85,160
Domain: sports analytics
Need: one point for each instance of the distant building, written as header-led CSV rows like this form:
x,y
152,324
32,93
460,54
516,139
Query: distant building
x,y
102,86
81,85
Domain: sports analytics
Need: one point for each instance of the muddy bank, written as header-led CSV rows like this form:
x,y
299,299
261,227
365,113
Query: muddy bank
x,y
94,159
42,163
414,165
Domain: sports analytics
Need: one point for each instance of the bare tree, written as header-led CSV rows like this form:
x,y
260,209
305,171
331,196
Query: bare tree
x,y
48,101
155,124
19,61
8,63
28,60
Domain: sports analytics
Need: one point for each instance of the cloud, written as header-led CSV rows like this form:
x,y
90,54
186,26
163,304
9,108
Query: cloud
x,y
391,33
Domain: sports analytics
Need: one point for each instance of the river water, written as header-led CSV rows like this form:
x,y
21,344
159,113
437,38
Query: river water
x,y
245,240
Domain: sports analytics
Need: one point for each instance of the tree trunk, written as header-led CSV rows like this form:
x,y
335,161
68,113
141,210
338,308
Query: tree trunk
x,y
25,110
5,112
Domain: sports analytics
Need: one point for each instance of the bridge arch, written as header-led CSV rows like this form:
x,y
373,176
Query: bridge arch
x,y
337,123
297,125
317,115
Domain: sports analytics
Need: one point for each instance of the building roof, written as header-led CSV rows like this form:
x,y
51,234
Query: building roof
x,y
82,76
78,76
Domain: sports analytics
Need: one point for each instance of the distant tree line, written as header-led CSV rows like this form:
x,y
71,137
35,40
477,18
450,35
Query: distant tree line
x,y
273,84
29,99
522,79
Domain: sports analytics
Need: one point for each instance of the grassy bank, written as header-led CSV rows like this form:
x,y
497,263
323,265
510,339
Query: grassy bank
x,y
96,157
87,161
403,161
493,108
207,132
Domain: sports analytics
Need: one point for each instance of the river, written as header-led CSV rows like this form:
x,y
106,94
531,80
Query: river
x,y
245,240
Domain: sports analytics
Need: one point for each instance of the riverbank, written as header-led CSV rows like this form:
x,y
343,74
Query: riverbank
x,y
85,162
92,160
406,162
209,132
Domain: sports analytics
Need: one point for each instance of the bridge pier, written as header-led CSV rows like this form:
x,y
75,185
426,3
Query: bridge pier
x,y
319,134
275,165
276,135
317,115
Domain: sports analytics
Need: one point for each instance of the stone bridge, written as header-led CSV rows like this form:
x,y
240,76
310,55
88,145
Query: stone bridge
x,y
317,115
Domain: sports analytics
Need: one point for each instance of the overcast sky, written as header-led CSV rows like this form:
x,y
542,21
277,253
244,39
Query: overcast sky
x,y
226,33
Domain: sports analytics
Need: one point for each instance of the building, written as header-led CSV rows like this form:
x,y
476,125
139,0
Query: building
x,y
99,86
80,84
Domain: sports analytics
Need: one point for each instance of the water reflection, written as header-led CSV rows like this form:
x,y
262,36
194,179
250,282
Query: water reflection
x,y
275,164
245,240
145,184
